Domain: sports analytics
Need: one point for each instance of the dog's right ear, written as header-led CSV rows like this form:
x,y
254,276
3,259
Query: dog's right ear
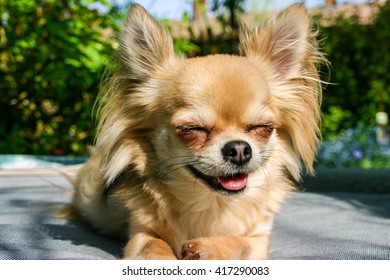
x,y
144,44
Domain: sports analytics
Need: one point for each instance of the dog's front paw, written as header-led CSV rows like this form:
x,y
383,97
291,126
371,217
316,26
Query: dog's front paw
x,y
197,250
190,251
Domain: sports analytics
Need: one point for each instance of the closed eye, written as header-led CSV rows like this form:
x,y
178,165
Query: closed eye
x,y
191,128
190,132
263,130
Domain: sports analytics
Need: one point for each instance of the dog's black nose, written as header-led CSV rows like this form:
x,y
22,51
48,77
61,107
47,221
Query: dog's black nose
x,y
237,152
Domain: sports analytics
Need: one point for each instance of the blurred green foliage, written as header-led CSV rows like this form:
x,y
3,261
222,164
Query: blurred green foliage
x,y
360,63
233,7
52,51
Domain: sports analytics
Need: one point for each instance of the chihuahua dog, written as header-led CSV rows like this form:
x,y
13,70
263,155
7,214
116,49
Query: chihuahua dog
x,y
193,157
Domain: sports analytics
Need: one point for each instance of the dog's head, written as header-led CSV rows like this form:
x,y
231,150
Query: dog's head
x,y
216,120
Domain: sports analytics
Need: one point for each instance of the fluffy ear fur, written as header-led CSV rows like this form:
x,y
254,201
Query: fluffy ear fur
x,y
144,44
127,94
287,43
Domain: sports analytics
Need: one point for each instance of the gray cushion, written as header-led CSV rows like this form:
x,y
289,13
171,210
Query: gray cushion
x,y
310,225
30,230
333,226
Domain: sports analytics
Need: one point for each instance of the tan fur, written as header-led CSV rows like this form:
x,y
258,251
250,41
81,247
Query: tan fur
x,y
160,113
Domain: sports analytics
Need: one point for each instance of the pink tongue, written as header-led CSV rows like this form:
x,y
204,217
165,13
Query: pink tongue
x,y
233,183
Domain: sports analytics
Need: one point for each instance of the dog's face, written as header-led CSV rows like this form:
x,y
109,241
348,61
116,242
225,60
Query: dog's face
x,y
220,125
220,121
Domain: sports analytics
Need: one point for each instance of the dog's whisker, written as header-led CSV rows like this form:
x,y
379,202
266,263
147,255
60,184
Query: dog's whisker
x,y
167,169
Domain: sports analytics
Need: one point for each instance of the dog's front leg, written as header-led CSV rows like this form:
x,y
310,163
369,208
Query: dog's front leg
x,y
226,247
144,246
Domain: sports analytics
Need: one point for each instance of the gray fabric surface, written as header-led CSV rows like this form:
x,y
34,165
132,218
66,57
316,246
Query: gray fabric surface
x,y
310,225
30,230
333,226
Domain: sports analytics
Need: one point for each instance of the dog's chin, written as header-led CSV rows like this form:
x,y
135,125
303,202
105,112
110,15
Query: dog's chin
x,y
231,185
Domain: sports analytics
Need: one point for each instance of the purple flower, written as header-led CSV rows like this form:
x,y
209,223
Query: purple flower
x,y
357,155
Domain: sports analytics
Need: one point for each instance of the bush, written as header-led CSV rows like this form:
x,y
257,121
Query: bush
x,y
51,52
360,59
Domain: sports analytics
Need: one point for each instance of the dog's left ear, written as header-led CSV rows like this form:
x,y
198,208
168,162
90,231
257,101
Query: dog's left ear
x,y
286,48
282,40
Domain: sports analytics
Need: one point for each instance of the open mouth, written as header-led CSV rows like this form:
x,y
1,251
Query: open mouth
x,y
224,185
